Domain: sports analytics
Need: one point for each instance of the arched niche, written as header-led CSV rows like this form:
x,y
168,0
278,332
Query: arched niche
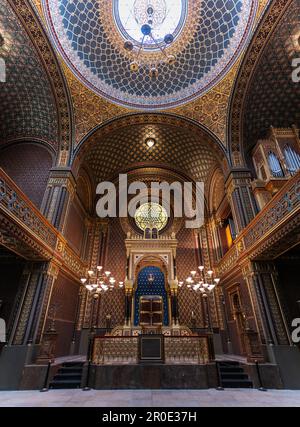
x,y
29,165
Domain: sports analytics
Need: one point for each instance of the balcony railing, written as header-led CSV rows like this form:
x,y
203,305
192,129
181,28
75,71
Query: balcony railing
x,y
115,350
112,350
14,202
24,230
284,206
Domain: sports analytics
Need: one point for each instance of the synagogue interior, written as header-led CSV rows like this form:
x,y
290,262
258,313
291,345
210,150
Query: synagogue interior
x,y
170,92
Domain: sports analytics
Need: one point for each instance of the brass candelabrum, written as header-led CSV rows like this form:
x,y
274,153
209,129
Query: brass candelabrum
x,y
99,281
202,281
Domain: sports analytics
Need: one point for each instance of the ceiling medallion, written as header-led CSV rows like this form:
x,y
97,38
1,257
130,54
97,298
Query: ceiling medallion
x,y
153,54
149,25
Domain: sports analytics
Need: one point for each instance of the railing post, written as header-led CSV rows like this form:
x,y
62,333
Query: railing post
x,y
261,387
219,387
45,387
89,356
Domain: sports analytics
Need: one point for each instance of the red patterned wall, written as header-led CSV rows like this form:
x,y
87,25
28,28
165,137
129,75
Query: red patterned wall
x,y
113,302
65,297
28,165
188,300
116,253
75,227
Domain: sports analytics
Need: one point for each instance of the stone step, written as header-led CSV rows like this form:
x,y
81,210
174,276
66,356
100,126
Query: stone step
x,y
68,376
73,364
236,383
66,370
234,375
65,384
231,369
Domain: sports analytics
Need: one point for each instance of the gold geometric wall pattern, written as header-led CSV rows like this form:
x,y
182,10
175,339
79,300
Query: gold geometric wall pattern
x,y
90,110
211,109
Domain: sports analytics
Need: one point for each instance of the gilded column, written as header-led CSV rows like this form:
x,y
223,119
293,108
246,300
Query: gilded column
x,y
239,192
271,324
98,230
33,301
58,197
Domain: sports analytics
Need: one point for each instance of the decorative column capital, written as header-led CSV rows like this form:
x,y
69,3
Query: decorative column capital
x,y
173,285
62,177
128,285
53,270
237,178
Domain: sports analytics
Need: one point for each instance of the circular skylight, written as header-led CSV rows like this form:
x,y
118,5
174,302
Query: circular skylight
x,y
164,17
151,215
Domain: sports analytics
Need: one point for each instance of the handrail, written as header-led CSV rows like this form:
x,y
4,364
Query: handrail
x,y
249,238
15,205
190,349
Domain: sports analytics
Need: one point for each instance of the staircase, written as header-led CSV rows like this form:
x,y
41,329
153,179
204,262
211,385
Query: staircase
x,y
68,376
232,375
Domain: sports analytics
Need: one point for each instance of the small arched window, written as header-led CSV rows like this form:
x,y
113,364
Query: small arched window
x,y
274,165
292,159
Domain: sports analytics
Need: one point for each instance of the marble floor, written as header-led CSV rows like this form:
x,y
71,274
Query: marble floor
x,y
151,398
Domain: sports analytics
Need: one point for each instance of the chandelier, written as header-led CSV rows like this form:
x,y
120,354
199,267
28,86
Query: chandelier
x,y
99,281
149,15
203,281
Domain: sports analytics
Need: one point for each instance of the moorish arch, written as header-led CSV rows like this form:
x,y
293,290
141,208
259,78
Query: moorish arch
x,y
35,104
124,138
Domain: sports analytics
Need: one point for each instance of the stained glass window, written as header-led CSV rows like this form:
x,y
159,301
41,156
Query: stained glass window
x,y
151,215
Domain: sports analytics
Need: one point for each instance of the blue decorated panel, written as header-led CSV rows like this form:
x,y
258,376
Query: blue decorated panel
x,y
144,288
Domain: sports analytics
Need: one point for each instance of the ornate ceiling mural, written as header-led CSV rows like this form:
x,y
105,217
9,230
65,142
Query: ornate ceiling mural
x,y
279,105
178,145
208,37
264,93
27,104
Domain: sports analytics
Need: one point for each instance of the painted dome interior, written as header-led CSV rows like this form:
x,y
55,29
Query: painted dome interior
x,y
207,37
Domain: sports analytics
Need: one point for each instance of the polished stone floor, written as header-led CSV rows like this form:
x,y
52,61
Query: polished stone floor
x,y
151,398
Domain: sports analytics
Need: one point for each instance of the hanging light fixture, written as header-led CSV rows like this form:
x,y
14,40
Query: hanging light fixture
x,y
203,281
150,142
97,281
136,49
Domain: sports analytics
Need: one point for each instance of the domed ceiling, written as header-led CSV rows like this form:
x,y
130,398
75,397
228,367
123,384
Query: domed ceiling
x,y
279,105
190,46
188,150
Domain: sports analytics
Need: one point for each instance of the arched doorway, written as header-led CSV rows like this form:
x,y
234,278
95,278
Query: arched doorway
x,y
151,287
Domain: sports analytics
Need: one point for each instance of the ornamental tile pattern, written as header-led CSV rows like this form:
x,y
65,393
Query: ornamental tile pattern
x,y
27,105
176,148
211,110
236,115
100,64
279,105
